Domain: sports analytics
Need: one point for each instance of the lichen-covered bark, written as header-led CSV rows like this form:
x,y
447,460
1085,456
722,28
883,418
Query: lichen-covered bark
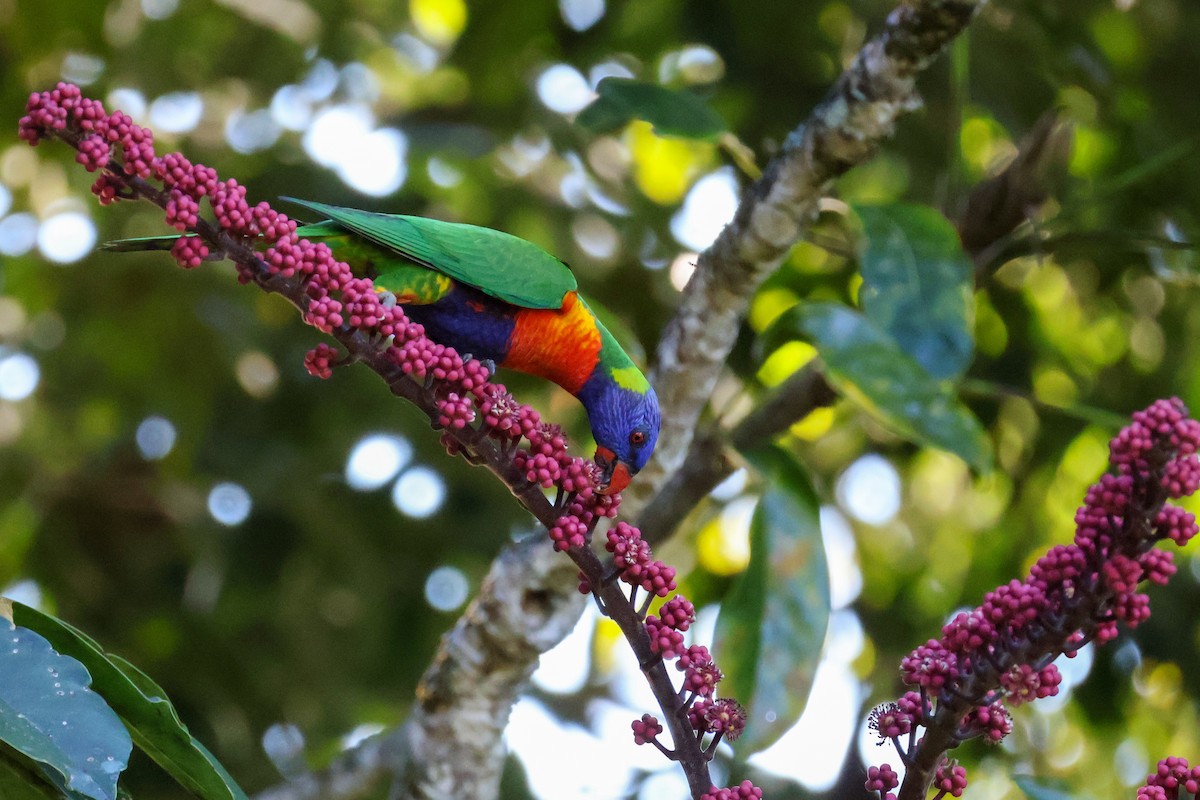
x,y
463,701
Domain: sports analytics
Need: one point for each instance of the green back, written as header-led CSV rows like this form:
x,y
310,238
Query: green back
x,y
496,263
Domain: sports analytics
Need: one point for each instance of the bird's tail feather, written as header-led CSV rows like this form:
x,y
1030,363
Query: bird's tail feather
x,y
142,243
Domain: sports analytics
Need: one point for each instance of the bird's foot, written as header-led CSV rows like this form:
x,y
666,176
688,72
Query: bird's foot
x,y
521,485
473,458
487,363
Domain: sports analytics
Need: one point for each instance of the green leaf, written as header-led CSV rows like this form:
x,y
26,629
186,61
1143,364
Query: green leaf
x,y
772,623
48,713
918,285
143,705
866,365
20,781
671,112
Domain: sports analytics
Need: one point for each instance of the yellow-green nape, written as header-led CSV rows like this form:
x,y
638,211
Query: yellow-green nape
x,y
630,378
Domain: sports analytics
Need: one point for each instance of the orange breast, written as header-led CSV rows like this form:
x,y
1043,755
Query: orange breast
x,y
560,345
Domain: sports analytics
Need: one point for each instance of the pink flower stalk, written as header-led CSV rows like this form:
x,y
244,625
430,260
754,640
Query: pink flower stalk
x,y
1000,654
456,393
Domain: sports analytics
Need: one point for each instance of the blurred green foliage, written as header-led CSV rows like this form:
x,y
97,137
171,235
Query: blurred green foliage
x,y
312,610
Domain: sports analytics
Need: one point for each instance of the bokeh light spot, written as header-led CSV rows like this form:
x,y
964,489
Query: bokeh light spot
x,y
257,374
708,208
284,745
18,233
131,101
19,374
229,503
12,317
66,237
375,460
581,14
596,236
563,88
446,588
419,492
155,438
290,107
371,161
177,112
442,173
81,68
375,165
869,490
249,132
699,63
333,130
159,9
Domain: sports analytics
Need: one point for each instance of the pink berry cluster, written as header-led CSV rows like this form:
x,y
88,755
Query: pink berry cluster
x,y
950,778
743,791
99,134
1000,654
1170,780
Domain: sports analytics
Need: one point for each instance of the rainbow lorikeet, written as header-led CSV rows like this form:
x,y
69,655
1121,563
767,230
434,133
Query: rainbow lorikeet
x,y
497,297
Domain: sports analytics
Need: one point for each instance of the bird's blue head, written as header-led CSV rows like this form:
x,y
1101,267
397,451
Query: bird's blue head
x,y
625,420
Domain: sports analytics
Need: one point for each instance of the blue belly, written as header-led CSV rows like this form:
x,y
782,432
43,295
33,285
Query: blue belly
x,y
469,321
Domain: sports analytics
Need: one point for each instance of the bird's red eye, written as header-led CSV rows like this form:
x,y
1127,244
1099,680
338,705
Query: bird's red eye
x,y
637,437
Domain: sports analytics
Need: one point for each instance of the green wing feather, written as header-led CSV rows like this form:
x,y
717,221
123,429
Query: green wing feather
x,y
496,263
320,230
142,243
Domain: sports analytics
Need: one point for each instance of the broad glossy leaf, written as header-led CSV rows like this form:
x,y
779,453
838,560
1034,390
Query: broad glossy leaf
x,y
671,112
143,705
918,285
49,713
869,367
773,621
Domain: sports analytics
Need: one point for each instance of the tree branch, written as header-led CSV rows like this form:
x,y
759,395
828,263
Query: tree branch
x,y
775,211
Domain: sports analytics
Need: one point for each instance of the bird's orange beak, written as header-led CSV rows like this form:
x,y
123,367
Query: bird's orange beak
x,y
614,474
